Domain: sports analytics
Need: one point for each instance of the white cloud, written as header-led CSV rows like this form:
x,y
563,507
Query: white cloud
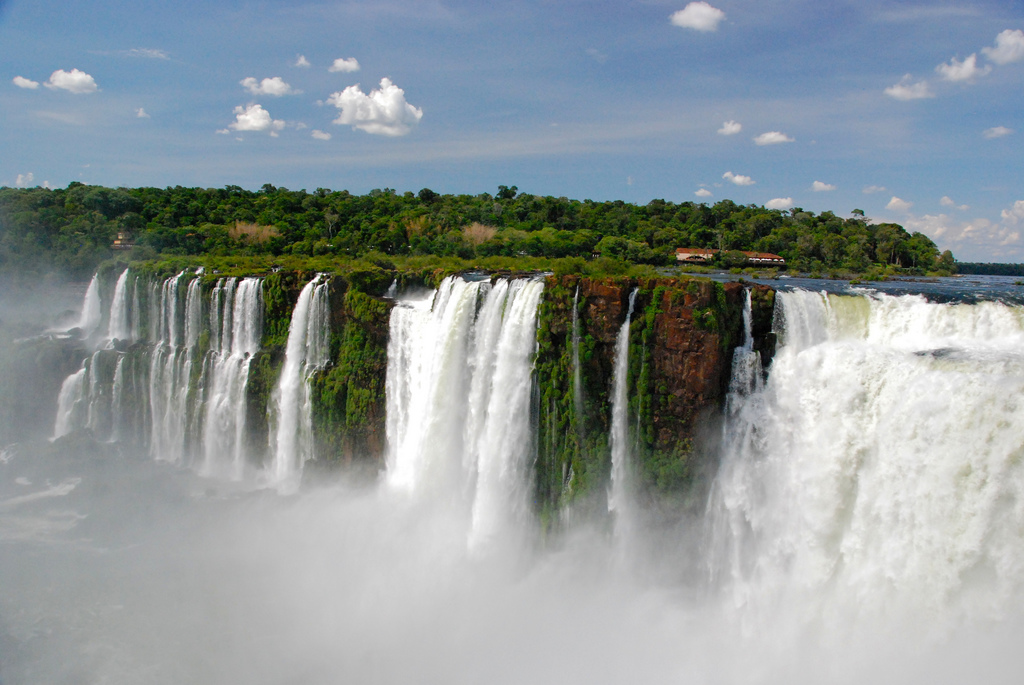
x,y
254,118
148,53
905,90
738,179
275,86
141,113
74,81
344,65
703,192
1009,47
947,201
977,239
898,205
383,112
997,132
597,55
23,82
300,61
779,203
24,180
699,16
730,128
773,138
870,190
822,187
966,70
320,135
1014,215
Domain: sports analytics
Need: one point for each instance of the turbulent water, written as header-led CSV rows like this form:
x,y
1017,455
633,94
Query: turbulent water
x,y
867,522
458,392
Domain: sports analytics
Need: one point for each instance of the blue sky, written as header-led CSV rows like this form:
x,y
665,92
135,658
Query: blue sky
x,y
910,111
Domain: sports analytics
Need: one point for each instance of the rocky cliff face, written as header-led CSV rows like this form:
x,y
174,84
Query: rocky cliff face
x,y
682,335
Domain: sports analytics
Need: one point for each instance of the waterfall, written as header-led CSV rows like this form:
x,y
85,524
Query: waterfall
x,y
577,372
458,397
236,318
117,408
136,312
92,314
426,387
618,438
879,470
502,448
120,327
169,374
67,402
307,351
746,362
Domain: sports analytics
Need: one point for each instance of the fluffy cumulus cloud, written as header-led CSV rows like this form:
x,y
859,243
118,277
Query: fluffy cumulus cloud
x,y
344,65
24,180
738,179
967,70
997,132
779,203
1009,47
703,192
822,187
905,90
381,112
275,86
73,81
699,16
978,239
254,118
300,61
947,201
898,205
1014,215
320,135
141,113
773,138
26,83
730,128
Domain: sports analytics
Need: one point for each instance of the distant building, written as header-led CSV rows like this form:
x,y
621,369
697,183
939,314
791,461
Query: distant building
x,y
695,255
123,241
703,255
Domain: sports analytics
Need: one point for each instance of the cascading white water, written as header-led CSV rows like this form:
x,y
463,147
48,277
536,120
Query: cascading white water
x,y
67,402
117,408
120,327
170,369
307,350
746,363
458,396
577,371
236,317
501,450
879,474
618,436
426,387
92,314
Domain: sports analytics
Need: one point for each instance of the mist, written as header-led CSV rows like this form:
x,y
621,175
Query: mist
x,y
118,568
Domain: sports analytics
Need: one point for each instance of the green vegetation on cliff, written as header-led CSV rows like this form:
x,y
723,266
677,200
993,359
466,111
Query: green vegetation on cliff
x,y
72,230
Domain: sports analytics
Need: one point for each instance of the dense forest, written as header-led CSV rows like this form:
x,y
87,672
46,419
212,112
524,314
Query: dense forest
x,y
990,269
70,231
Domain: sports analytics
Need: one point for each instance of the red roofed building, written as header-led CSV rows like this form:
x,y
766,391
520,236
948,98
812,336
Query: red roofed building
x,y
703,255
